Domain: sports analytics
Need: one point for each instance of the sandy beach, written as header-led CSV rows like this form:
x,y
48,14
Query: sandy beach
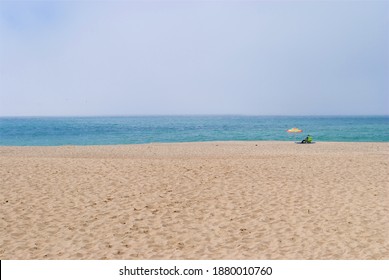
x,y
215,200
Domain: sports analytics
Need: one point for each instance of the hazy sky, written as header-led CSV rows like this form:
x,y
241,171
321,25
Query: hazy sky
x,y
196,57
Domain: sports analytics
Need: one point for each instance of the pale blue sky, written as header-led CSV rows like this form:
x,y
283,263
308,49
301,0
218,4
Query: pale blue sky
x,y
196,57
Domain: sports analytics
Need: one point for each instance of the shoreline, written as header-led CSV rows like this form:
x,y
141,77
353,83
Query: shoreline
x,y
195,200
197,149
193,142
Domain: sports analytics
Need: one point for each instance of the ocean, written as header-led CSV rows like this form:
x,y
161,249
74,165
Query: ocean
x,y
56,131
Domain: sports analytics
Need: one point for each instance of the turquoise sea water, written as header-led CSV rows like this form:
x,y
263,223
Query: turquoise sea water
x,y
52,131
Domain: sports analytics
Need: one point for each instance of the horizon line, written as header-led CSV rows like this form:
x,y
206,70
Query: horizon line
x,y
193,115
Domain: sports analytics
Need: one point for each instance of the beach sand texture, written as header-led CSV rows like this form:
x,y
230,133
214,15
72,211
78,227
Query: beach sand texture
x,y
216,200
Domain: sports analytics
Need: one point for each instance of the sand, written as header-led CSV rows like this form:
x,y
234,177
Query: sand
x,y
216,200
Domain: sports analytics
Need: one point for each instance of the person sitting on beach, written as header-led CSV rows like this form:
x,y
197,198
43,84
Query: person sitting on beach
x,y
307,139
